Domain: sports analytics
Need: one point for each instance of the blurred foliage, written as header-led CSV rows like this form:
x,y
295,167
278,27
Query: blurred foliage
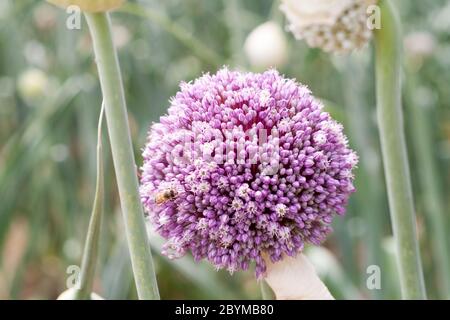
x,y
50,100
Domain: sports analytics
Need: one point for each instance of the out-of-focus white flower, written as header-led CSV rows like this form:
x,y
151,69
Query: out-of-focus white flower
x,y
439,20
420,44
388,245
44,17
334,25
36,54
266,46
121,35
72,248
32,84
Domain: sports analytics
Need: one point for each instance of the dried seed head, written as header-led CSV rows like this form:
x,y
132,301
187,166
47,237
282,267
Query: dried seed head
x,y
338,26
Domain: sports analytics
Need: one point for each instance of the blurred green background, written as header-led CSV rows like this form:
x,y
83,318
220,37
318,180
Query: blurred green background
x,y
49,104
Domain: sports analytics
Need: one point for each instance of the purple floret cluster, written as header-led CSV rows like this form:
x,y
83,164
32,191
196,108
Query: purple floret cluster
x,y
245,167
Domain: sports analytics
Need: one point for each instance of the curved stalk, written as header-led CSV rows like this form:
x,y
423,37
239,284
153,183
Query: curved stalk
x,y
390,121
123,156
92,238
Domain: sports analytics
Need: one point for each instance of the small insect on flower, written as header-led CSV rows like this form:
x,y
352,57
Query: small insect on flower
x,y
165,195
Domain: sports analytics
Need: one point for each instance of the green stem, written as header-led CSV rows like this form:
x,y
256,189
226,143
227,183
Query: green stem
x,y
369,195
93,235
429,183
123,156
390,121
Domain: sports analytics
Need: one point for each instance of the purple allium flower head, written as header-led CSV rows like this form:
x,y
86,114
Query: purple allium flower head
x,y
245,164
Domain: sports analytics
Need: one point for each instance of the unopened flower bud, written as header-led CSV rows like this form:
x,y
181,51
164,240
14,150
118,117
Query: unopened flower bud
x,y
32,84
266,46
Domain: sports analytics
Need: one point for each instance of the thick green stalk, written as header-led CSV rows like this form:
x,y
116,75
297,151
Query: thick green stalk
x,y
390,121
122,152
